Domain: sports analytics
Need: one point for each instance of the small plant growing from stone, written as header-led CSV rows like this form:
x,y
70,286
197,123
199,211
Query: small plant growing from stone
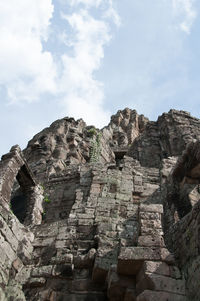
x,y
92,132
46,199
95,142
43,215
10,207
42,186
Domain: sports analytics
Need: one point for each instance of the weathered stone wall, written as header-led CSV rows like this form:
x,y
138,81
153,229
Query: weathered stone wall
x,y
115,229
166,137
68,142
15,239
182,204
185,236
100,250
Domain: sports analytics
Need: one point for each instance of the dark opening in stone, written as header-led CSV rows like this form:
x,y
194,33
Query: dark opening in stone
x,y
119,155
182,204
21,193
18,204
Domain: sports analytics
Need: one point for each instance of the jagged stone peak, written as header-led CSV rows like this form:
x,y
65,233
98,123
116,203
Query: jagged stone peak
x,y
68,141
121,118
166,137
178,112
126,113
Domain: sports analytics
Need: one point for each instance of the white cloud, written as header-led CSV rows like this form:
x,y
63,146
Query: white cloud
x,y
26,17
185,10
25,69
109,11
83,95
88,3
112,14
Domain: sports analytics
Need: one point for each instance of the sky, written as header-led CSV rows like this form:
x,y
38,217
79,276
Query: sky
x,y
89,58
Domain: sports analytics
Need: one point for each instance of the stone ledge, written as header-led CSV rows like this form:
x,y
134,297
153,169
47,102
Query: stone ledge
x,y
148,295
151,208
155,282
130,259
156,267
151,241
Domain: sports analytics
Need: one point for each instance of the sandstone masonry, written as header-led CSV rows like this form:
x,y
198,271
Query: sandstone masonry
x,y
124,226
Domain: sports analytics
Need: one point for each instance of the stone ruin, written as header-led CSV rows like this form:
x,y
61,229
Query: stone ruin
x,y
124,226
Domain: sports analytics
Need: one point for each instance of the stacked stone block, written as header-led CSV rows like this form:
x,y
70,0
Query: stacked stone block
x,y
98,227
15,240
150,262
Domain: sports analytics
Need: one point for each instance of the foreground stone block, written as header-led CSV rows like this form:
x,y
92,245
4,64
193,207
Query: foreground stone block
x,y
120,287
160,268
151,208
63,271
44,271
130,259
160,283
36,282
86,260
100,270
130,295
151,241
148,295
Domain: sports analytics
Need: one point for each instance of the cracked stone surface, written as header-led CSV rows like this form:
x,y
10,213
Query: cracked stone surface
x,y
122,227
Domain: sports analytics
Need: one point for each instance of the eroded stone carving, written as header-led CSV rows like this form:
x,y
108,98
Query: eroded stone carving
x,y
119,229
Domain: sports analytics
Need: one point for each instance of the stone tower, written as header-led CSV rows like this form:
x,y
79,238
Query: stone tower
x,y
111,214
